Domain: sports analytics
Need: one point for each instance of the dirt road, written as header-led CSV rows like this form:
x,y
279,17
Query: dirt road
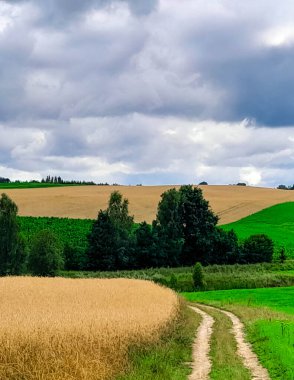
x,y
201,366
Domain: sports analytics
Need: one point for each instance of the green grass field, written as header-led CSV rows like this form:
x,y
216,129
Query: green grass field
x,y
280,299
277,222
268,315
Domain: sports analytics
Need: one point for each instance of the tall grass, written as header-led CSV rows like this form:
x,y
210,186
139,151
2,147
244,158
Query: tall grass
x,y
216,277
77,329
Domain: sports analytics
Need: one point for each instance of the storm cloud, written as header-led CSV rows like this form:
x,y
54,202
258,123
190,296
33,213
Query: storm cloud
x,y
147,91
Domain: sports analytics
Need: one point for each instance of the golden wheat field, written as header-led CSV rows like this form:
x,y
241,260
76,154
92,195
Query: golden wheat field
x,y
53,328
229,202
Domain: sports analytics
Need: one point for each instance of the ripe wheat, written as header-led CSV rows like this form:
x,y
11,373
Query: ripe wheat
x,y
77,329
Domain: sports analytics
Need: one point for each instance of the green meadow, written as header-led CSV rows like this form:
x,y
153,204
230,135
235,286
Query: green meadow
x,y
277,222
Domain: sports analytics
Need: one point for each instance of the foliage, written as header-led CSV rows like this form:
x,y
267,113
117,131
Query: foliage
x,y
257,249
103,243
72,234
198,276
198,224
277,222
118,211
282,255
12,246
215,276
45,258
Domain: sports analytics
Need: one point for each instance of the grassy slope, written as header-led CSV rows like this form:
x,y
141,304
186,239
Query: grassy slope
x,y
168,358
268,315
276,221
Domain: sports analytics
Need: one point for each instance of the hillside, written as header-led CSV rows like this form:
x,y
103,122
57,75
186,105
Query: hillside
x,y
276,221
231,203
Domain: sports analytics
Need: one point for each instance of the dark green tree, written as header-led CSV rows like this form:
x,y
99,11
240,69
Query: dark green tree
x,y
169,227
258,249
282,255
103,243
12,246
118,211
199,225
75,258
45,258
225,247
198,276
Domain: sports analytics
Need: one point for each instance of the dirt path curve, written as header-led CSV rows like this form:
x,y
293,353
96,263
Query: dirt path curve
x,y
201,365
244,349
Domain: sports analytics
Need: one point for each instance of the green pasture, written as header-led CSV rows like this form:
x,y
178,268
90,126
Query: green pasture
x,y
280,299
277,222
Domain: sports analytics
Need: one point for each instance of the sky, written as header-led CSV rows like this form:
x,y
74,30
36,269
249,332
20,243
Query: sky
x,y
148,91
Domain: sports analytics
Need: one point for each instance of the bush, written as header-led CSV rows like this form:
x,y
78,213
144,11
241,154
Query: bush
x,y
258,249
198,276
45,257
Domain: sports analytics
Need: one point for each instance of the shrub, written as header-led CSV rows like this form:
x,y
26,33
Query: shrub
x,y
258,249
198,276
282,256
45,257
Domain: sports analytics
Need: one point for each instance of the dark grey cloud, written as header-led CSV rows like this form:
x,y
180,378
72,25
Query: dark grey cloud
x,y
147,90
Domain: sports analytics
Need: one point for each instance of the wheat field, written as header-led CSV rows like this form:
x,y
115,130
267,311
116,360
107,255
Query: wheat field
x,y
53,328
231,203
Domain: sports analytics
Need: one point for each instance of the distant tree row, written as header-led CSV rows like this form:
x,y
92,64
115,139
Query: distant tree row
x,y
184,232
59,180
4,180
284,187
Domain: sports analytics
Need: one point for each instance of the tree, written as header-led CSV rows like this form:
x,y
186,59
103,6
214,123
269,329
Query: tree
x,y
198,223
45,257
198,276
111,240
258,249
12,247
103,243
118,211
225,247
169,227
282,255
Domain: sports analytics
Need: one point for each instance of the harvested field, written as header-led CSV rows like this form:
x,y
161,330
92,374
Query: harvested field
x,y
57,328
231,203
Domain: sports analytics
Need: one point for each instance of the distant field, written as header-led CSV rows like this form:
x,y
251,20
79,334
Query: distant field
x,y
53,328
276,221
231,203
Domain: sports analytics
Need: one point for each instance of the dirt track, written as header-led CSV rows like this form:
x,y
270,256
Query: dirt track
x,y
229,202
201,362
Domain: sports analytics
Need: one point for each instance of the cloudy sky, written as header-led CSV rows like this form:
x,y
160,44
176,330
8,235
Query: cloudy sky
x,y
148,91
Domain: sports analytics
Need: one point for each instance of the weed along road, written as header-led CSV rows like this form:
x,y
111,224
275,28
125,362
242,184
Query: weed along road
x,y
201,366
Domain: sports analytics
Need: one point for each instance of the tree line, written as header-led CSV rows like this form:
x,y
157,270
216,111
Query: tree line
x,y
184,232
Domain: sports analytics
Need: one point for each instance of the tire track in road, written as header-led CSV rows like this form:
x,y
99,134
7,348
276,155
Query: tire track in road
x,y
201,365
